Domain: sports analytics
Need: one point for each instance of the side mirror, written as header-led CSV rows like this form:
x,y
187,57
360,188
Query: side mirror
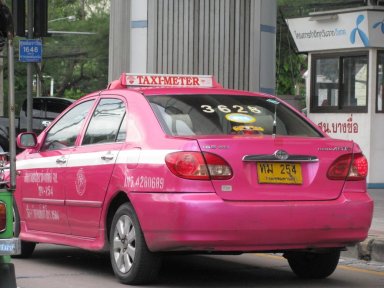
x,y
27,140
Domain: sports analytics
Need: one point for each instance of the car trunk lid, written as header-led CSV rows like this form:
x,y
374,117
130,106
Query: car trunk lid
x,y
277,168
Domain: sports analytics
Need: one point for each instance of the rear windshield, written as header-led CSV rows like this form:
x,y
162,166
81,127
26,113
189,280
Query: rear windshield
x,y
188,115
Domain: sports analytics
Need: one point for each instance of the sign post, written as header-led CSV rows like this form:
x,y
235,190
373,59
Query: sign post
x,y
9,244
30,50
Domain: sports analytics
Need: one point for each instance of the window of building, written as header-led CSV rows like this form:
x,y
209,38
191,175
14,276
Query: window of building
x,y
380,82
339,83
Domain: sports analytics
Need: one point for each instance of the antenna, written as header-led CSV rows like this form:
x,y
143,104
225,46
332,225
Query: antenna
x,y
275,102
274,121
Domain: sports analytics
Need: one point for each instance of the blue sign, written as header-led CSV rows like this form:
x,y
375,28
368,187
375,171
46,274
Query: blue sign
x,y
30,50
358,31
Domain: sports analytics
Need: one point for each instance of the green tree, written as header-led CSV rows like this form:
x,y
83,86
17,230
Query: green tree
x,y
78,63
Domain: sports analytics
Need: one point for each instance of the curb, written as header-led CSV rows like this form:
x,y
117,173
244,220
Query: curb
x,y
372,249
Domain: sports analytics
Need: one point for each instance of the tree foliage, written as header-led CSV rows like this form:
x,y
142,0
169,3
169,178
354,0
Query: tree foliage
x,y
77,63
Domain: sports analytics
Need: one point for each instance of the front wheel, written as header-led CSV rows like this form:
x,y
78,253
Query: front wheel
x,y
313,265
131,260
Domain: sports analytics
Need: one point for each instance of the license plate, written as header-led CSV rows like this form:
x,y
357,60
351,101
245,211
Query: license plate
x,y
279,173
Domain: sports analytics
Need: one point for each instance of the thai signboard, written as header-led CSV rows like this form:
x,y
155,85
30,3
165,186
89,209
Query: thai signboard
x,y
358,29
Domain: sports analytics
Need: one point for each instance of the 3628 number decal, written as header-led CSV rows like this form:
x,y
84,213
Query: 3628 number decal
x,y
233,109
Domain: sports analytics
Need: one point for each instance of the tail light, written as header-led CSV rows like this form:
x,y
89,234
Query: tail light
x,y
3,158
350,167
198,166
3,216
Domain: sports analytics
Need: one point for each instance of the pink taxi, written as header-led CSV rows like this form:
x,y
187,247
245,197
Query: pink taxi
x,y
176,163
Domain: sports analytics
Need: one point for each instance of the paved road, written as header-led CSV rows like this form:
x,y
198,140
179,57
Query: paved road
x,y
63,267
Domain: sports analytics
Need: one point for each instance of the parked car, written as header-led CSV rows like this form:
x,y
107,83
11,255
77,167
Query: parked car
x,y
187,166
45,109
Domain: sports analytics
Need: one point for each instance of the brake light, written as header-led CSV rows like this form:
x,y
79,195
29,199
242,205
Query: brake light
x,y
3,216
350,167
3,158
198,166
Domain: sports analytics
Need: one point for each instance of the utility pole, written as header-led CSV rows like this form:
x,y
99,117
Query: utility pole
x,y
30,67
7,269
37,27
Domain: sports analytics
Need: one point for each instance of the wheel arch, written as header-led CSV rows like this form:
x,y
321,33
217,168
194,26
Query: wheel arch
x,y
119,199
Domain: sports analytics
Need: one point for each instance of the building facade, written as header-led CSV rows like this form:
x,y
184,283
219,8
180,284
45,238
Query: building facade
x,y
234,40
345,80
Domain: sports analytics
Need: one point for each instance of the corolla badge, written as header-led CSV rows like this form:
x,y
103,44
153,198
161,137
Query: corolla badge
x,y
281,155
336,148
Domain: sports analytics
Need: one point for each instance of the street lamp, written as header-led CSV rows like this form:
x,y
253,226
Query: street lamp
x,y
69,18
37,84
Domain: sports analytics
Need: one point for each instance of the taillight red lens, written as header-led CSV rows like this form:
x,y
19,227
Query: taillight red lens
x,y
3,216
349,167
197,166
359,168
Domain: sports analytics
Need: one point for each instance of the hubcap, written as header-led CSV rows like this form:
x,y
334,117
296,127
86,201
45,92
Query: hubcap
x,y
124,244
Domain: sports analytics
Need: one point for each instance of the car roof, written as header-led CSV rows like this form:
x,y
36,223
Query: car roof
x,y
208,85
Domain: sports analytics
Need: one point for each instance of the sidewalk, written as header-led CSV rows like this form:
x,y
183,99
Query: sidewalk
x,y
372,249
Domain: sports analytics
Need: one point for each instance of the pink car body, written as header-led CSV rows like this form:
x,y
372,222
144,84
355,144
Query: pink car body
x,y
69,196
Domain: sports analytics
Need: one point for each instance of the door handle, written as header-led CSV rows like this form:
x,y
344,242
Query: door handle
x,y
107,157
61,160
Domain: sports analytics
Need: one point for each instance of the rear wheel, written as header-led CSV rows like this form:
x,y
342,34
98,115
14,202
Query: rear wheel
x,y
313,265
27,248
131,260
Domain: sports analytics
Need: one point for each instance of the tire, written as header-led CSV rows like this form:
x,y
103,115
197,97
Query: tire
x,y
309,265
27,248
131,260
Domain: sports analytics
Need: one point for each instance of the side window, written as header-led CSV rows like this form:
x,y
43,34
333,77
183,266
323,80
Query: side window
x,y
339,83
64,133
105,122
55,107
122,131
37,108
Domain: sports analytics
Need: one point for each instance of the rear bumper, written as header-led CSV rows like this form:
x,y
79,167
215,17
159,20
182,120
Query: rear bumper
x,y
10,246
204,222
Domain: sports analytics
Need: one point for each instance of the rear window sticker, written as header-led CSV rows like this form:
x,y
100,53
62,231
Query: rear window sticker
x,y
240,118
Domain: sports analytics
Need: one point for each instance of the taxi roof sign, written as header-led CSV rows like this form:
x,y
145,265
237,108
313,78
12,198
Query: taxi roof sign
x,y
168,80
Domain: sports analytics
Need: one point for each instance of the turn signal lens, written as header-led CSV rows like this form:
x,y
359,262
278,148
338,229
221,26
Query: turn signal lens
x,y
350,167
3,216
198,166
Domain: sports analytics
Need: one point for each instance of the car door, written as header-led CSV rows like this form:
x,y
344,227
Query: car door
x,y
91,164
41,174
